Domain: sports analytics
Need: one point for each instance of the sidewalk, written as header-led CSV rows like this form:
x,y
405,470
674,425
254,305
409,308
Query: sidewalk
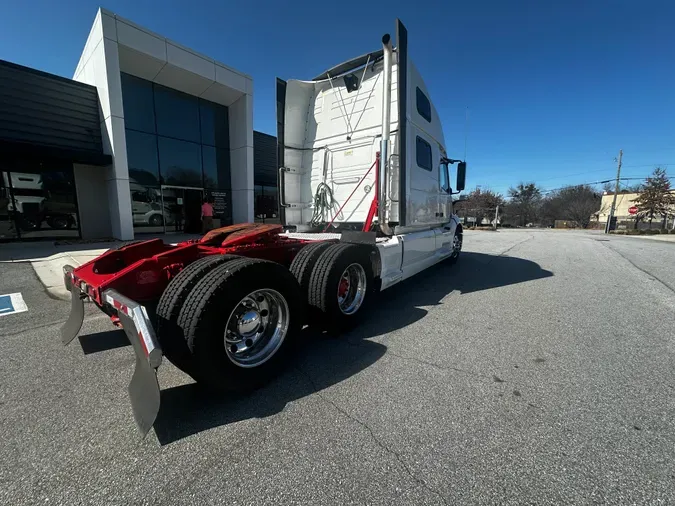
x,y
663,238
48,257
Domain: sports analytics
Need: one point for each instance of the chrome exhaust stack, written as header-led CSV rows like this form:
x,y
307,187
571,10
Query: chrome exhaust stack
x,y
383,209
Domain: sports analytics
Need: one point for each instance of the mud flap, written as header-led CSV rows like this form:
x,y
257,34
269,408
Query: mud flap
x,y
144,387
73,324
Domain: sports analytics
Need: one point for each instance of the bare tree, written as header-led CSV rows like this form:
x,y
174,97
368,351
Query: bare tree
x,y
580,204
574,203
482,203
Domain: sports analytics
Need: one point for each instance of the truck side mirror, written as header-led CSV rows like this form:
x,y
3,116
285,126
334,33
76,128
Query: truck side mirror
x,y
461,176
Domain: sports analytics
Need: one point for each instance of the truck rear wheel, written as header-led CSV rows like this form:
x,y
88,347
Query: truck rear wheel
x,y
239,321
170,335
341,284
304,262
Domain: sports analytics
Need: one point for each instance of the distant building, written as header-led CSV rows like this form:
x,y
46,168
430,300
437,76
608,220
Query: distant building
x,y
624,201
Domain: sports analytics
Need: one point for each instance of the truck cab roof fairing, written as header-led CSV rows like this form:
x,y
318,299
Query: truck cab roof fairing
x,y
349,65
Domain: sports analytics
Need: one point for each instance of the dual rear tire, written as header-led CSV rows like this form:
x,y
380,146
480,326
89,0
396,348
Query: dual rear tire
x,y
340,285
228,321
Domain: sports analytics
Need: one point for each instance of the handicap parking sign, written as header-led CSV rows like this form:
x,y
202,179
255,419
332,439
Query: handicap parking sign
x,y
12,303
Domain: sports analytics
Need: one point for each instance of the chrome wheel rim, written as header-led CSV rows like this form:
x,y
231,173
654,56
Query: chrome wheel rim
x,y
256,328
351,289
456,245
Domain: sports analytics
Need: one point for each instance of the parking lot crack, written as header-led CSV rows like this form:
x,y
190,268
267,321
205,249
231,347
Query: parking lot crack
x,y
514,246
397,456
439,366
645,271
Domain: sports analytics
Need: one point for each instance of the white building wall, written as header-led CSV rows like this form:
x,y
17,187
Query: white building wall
x,y
117,45
99,66
241,157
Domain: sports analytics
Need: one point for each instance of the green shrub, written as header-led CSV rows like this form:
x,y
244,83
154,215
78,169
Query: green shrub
x,y
632,231
672,231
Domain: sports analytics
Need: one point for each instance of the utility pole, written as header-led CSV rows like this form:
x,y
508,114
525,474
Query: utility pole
x,y
496,215
616,191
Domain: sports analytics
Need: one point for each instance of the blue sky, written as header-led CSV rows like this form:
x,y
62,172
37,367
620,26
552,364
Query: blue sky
x,y
553,89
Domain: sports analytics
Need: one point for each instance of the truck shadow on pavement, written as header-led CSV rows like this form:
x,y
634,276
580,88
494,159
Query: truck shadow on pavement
x,y
320,361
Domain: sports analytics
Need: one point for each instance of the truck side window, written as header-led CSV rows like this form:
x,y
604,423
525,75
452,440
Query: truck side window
x,y
444,178
423,105
423,150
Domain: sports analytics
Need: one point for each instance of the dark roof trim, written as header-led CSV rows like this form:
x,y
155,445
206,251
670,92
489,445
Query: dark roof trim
x,y
349,65
32,151
272,137
46,75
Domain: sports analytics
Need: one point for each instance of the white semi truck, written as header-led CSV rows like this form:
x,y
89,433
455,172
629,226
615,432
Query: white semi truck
x,y
365,202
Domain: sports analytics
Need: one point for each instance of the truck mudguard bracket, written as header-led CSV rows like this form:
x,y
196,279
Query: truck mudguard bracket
x,y
144,387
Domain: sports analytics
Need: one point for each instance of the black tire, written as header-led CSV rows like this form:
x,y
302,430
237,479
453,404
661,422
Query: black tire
x,y
170,335
326,277
304,262
156,220
454,257
204,316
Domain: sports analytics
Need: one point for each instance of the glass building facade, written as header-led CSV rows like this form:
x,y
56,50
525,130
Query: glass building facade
x,y
178,154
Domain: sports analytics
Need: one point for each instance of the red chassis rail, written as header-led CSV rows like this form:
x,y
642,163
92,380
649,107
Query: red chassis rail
x,y
142,270
125,281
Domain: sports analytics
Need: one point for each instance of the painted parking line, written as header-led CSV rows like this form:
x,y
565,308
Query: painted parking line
x,y
12,303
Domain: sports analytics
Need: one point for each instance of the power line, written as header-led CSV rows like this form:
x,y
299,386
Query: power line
x,y
597,182
577,174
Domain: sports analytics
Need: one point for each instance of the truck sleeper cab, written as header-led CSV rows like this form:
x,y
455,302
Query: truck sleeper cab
x,y
365,202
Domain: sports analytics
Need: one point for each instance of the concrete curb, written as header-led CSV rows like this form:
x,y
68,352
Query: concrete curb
x,y
49,270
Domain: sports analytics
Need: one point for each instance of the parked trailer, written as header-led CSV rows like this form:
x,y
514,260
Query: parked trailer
x,y
365,203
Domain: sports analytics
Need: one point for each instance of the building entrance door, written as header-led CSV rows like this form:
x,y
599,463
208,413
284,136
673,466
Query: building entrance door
x,y
184,207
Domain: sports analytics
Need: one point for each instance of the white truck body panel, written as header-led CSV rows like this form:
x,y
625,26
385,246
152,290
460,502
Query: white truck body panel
x,y
330,132
317,149
332,135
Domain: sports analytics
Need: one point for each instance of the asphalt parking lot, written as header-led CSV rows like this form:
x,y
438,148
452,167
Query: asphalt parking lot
x,y
539,369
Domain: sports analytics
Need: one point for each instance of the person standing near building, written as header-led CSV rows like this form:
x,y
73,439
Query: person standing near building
x,y
207,216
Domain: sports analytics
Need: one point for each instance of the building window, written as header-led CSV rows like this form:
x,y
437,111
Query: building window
x,y
38,204
216,165
177,114
175,140
146,208
180,163
423,105
215,128
142,158
266,207
139,112
424,159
